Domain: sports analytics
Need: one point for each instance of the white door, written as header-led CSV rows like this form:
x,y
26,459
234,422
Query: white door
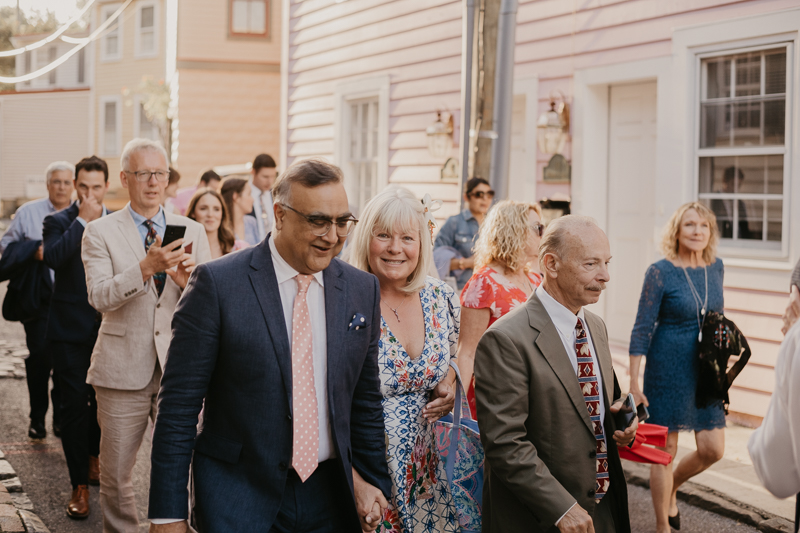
x,y
631,184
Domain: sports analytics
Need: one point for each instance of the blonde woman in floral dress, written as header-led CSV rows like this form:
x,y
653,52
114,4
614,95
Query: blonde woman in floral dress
x,y
506,254
419,331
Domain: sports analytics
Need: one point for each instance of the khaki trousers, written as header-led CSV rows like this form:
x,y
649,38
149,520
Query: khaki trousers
x,y
122,415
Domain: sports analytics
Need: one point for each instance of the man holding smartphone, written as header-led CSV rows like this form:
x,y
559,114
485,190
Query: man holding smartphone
x,y
547,394
135,282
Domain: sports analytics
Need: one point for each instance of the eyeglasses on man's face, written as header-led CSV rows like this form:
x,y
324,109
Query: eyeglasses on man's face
x,y
481,194
145,175
321,226
537,228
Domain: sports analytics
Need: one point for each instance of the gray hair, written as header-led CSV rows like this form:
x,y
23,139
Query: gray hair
x,y
308,173
137,145
555,238
393,207
57,166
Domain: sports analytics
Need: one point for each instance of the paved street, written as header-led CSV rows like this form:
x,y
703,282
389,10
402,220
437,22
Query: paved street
x,y
43,471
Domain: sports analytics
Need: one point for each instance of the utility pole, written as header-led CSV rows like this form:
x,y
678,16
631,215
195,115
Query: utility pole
x,y
487,54
16,30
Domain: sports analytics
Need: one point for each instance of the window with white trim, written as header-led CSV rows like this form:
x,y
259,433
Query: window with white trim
x,y
110,130
45,56
111,43
249,17
742,152
146,30
145,127
362,155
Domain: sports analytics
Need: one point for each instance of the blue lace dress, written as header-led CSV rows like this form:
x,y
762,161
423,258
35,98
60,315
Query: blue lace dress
x,y
421,500
666,332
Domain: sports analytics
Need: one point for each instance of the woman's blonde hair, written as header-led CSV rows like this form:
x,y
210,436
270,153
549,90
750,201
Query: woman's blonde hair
x,y
395,207
669,239
503,236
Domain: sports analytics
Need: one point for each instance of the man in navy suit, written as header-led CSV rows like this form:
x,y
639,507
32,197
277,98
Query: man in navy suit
x,y
72,329
281,340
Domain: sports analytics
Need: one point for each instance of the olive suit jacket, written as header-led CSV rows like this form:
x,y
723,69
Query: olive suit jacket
x,y
535,427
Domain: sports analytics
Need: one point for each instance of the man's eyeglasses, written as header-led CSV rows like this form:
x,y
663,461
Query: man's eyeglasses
x,y
321,226
480,194
144,175
537,228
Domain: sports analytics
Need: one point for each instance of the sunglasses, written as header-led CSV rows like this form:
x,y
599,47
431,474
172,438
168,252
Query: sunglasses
x,y
537,228
480,194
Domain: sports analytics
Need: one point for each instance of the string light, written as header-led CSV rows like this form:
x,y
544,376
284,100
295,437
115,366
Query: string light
x,y
61,60
50,38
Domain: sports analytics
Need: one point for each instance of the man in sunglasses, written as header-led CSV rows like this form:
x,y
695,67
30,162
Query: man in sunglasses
x,y
281,342
453,245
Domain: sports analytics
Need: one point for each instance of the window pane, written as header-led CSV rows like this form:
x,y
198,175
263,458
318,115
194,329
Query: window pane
x,y
748,74
147,17
147,41
364,131
110,127
81,65
111,44
748,130
774,174
750,214
776,73
258,16
774,220
775,121
715,125
717,173
747,120
239,16
719,78
353,130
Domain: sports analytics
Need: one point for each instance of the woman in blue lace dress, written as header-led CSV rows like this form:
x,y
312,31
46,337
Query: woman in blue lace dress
x,y
419,331
678,291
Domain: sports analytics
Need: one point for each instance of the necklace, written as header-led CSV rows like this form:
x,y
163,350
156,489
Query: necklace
x,y
701,311
396,309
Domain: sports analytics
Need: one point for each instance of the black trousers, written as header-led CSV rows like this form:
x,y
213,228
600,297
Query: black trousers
x,y
320,505
797,514
38,367
80,432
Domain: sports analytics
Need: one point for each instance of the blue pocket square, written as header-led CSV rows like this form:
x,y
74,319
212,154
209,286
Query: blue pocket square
x,y
357,322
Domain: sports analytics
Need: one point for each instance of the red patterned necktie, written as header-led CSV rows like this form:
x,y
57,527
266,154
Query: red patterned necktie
x,y
587,378
305,420
159,278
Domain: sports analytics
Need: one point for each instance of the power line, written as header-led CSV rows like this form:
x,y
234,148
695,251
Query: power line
x,y
61,60
50,38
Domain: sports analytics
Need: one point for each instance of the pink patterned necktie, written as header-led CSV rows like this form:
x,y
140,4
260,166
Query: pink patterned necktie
x,y
305,447
587,378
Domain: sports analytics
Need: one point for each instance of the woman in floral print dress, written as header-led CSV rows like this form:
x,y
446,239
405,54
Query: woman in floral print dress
x,y
419,332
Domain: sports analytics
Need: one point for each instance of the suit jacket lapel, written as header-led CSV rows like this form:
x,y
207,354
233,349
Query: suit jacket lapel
x,y
551,347
335,306
265,285
131,234
600,342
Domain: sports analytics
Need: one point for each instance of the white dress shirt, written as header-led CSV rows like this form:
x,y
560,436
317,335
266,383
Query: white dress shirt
x,y
775,446
287,284
565,322
260,201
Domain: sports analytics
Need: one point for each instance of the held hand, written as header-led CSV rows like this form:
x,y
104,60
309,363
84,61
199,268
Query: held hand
x,y
577,520
443,399
370,503
90,208
792,310
185,268
160,258
624,438
39,255
175,527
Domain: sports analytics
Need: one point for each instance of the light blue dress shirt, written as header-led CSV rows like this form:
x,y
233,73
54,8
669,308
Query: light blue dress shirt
x,y
28,222
159,221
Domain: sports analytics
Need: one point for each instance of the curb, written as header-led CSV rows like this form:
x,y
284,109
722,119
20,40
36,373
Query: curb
x,y
714,501
16,509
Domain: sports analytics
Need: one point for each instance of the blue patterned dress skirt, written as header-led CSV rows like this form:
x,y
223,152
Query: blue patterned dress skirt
x,y
666,332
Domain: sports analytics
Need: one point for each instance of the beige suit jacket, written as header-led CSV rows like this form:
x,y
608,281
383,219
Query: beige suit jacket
x,y
136,326
535,428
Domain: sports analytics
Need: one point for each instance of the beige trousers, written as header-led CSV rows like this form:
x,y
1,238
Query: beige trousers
x,y
122,415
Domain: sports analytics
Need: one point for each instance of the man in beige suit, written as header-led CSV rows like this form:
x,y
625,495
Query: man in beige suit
x,y
135,283
544,387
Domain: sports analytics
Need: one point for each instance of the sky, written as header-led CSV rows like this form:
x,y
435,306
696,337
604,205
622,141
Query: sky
x,y
63,9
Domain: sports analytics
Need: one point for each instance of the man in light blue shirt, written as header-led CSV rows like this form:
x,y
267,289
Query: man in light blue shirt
x,y
27,226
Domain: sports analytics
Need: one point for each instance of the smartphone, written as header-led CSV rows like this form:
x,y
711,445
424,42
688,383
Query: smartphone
x,y
627,413
172,234
642,412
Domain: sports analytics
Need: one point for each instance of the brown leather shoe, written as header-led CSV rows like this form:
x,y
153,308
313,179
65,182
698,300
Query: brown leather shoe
x,y
78,506
94,470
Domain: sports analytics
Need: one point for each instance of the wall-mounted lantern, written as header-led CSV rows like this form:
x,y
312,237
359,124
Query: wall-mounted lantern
x,y
553,126
440,136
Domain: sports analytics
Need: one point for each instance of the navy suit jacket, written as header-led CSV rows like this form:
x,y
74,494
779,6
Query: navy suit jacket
x,y
71,318
230,347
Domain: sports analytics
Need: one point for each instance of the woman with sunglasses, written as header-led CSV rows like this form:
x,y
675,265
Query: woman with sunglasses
x,y
459,232
506,252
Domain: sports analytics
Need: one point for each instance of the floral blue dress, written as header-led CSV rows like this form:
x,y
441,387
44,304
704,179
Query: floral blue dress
x,y
666,332
421,499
